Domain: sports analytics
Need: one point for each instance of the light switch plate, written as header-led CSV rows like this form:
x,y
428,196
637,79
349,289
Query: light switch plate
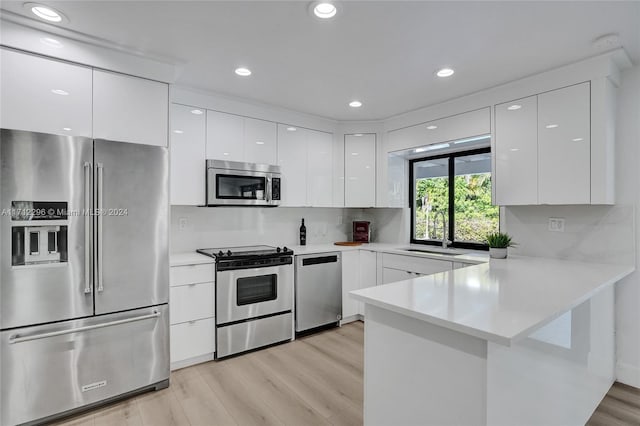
x,y
556,224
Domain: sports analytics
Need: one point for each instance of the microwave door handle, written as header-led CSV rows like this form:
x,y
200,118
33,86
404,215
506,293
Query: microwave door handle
x,y
87,228
268,189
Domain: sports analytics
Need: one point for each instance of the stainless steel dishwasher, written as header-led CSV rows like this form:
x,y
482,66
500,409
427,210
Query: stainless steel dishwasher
x,y
318,284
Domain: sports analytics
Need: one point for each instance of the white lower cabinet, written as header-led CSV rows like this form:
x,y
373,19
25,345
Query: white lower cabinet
x,y
350,282
391,275
417,265
192,314
192,302
193,339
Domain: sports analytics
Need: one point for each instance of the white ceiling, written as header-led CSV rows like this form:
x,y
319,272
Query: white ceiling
x,y
383,53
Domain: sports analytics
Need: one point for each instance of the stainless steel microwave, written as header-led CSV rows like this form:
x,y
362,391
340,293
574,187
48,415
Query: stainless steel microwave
x,y
232,183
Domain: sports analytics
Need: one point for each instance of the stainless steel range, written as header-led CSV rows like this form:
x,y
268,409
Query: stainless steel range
x,y
254,297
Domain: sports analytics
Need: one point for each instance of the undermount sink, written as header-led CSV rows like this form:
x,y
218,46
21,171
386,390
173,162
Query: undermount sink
x,y
435,250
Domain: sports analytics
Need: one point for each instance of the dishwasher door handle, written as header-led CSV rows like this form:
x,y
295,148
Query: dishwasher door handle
x,y
319,260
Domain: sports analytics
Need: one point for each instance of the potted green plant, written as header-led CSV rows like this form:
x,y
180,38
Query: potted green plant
x,y
499,242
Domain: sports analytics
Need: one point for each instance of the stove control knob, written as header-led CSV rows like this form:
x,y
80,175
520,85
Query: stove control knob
x,y
285,249
220,253
228,252
278,249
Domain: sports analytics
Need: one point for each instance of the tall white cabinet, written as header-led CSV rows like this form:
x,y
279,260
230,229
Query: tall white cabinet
x,y
44,95
130,109
360,170
188,142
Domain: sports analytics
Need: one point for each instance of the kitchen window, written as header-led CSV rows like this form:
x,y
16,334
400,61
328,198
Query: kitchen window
x,y
451,197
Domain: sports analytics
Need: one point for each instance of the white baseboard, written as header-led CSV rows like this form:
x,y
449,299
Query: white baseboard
x,y
352,318
628,374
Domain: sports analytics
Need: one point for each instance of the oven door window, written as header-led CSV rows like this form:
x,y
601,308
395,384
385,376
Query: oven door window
x,y
256,289
235,187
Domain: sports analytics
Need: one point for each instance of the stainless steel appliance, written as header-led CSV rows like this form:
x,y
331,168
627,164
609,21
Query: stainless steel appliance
x,y
231,183
83,273
254,297
318,290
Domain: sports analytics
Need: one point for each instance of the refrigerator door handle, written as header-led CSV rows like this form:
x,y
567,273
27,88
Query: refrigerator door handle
x,y
16,338
87,228
99,169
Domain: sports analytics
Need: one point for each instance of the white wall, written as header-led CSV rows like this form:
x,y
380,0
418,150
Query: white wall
x,y
236,226
600,233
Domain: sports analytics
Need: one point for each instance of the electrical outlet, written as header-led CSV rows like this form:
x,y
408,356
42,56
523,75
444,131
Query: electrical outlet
x,y
556,224
182,223
339,219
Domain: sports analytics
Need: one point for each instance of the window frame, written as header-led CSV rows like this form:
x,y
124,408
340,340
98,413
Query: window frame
x,y
451,156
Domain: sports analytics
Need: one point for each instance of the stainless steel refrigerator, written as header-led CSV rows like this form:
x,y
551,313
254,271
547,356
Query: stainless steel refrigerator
x,y
84,272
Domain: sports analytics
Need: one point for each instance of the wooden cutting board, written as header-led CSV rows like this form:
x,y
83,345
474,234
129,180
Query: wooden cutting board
x,y
347,243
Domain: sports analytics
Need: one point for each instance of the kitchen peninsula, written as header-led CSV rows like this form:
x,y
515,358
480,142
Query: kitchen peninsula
x,y
510,341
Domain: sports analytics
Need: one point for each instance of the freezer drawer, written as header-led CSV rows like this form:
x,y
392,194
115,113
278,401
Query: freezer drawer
x,y
244,336
54,368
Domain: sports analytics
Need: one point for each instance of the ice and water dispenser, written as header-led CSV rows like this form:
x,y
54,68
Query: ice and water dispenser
x,y
38,232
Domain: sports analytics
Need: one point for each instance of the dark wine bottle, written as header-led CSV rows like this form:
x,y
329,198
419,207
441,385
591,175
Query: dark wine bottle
x,y
303,234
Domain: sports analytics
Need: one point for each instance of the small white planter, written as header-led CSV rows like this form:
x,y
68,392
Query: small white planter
x,y
497,253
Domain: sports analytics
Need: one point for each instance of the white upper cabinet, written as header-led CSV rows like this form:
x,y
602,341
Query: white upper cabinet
x,y
188,141
260,141
292,158
236,138
360,170
542,148
225,136
130,109
516,152
43,95
319,169
564,146
306,160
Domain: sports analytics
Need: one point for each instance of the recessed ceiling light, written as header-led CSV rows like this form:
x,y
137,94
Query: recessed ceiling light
x,y
197,111
420,150
357,134
445,72
324,10
354,153
515,149
355,104
51,42
514,107
225,153
259,142
432,127
59,92
178,132
577,139
243,72
551,126
67,129
45,12
291,129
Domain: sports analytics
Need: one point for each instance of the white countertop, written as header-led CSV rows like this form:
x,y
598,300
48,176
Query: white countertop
x,y
472,257
189,258
501,301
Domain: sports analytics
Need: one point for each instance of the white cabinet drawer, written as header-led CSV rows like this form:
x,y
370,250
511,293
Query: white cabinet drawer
x,y
192,302
192,339
391,275
192,274
415,264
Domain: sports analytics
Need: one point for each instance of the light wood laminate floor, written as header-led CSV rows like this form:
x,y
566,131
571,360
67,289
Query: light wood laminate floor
x,y
315,380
